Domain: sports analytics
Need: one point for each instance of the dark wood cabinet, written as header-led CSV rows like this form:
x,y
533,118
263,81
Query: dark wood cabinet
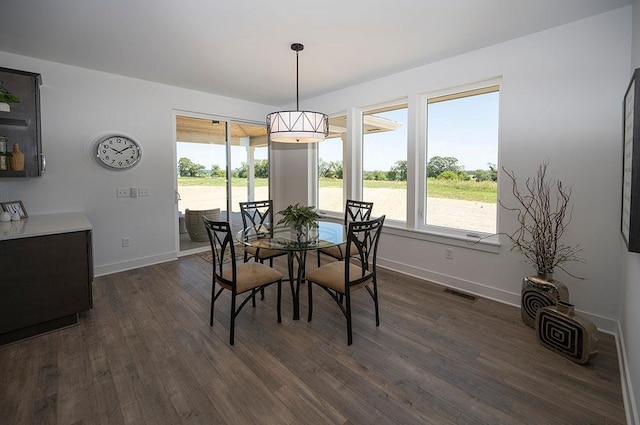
x,y
22,124
46,280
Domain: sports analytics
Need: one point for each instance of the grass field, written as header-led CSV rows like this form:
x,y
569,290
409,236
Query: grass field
x,y
463,190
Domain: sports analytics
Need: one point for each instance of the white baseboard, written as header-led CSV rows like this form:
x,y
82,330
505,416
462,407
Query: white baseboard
x,y
630,407
604,324
134,264
467,286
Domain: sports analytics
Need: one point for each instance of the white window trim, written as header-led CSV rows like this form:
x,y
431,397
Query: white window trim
x,y
479,239
359,157
345,167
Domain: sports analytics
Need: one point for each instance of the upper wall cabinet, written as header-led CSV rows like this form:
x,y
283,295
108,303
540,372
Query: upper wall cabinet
x,y
21,124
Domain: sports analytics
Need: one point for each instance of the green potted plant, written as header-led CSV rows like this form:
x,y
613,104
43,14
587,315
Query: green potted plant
x,y
304,219
6,97
543,213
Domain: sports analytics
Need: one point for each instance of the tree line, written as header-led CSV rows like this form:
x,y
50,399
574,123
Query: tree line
x,y
188,168
443,168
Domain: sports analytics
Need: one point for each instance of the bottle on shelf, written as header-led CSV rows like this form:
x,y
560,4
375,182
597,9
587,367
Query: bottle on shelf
x,y
17,158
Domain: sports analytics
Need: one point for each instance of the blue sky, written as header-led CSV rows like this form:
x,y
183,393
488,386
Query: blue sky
x,y
465,128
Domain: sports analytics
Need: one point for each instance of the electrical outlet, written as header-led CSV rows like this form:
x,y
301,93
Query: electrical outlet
x,y
133,192
122,192
126,242
449,253
144,191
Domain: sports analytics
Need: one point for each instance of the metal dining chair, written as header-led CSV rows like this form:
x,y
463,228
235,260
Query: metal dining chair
x,y
259,215
250,277
354,211
358,270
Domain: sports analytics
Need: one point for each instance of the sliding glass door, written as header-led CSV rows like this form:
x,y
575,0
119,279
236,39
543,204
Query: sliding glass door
x,y
219,163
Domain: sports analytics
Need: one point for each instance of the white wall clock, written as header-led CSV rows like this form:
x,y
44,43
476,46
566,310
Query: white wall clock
x,y
117,152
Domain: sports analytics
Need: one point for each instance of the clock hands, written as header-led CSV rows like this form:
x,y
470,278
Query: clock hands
x,y
114,149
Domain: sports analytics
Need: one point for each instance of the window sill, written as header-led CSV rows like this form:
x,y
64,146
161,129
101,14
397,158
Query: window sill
x,y
486,243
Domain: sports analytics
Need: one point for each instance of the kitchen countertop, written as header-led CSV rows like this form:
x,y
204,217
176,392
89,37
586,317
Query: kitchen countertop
x,y
46,224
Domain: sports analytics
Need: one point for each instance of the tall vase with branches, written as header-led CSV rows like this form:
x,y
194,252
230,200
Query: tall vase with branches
x,y
543,212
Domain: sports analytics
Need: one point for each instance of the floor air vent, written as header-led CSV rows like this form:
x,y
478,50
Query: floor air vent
x,y
461,294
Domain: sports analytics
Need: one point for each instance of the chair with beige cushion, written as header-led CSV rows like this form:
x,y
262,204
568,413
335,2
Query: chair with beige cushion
x,y
240,278
259,215
354,211
358,270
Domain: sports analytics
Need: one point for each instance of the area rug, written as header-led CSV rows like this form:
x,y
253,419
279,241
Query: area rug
x,y
208,256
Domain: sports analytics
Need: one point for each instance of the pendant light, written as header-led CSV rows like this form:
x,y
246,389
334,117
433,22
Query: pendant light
x,y
297,126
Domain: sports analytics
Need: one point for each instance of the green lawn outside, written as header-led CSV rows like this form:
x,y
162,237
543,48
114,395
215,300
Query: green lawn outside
x,y
463,190
217,181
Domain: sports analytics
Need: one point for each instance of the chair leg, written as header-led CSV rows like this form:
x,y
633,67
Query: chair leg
x,y
213,300
279,301
262,289
318,258
310,307
348,310
232,325
375,300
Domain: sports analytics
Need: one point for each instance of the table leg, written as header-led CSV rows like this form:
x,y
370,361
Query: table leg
x,y
300,257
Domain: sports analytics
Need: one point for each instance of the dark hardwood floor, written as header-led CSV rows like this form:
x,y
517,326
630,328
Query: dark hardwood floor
x,y
145,354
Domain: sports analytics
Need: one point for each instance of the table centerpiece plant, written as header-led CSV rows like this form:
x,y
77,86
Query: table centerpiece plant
x,y
303,219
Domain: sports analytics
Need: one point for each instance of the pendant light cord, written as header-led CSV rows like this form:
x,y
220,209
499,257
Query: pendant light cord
x,y
297,98
297,47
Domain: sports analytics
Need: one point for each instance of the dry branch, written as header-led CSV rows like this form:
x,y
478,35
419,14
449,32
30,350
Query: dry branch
x,y
543,214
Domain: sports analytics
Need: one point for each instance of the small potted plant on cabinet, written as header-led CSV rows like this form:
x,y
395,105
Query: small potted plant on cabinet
x,y
6,98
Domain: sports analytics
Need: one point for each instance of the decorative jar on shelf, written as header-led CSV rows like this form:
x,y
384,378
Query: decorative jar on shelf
x,y
3,150
17,158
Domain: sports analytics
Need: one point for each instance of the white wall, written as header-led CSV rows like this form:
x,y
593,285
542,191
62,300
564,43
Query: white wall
x,y
79,104
630,324
560,100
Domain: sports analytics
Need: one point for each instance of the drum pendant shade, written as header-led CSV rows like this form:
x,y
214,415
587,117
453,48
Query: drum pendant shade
x,y
297,126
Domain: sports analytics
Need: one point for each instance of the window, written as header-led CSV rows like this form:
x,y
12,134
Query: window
x,y
384,160
330,167
462,160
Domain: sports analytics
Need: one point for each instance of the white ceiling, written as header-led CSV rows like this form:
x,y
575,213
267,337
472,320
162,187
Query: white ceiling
x,y
240,48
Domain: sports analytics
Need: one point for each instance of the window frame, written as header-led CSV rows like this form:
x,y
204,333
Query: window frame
x,y
480,87
396,104
413,227
316,153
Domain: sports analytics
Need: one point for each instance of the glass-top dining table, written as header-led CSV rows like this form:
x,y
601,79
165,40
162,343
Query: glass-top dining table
x,y
296,245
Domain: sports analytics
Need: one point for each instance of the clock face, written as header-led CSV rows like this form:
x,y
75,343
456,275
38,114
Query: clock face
x,y
117,152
